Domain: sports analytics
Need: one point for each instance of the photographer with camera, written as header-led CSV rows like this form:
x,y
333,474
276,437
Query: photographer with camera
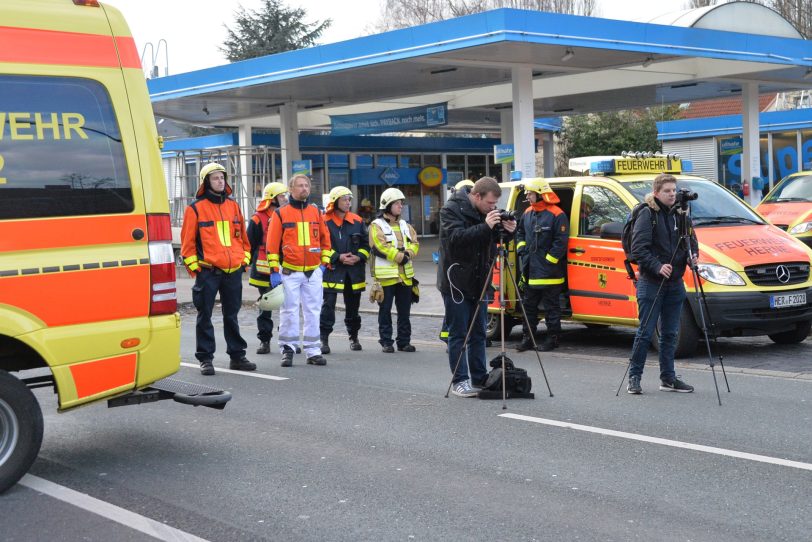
x,y
541,244
470,227
661,259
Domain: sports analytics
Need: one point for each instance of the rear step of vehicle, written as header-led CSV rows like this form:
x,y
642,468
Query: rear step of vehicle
x,y
187,393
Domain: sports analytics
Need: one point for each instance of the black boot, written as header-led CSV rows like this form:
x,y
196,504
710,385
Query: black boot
x,y
354,344
526,344
206,367
264,347
325,344
550,343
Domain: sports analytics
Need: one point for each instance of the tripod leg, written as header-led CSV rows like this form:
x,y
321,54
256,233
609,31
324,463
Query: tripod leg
x,y
710,323
527,323
623,379
704,327
639,333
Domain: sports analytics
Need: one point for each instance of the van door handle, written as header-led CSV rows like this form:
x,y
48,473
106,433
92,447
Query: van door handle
x,y
577,250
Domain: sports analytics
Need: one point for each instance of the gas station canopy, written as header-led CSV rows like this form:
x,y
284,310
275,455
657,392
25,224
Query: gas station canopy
x,y
577,65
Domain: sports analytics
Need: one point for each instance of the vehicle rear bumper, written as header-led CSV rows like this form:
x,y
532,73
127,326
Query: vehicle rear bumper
x,y
749,314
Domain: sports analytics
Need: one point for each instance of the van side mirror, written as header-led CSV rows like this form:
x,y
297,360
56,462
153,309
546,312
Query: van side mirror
x,y
611,230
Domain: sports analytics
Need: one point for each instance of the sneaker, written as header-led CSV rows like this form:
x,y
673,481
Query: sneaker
x,y
634,386
287,356
242,364
388,349
676,385
316,360
264,347
407,348
206,368
354,344
464,389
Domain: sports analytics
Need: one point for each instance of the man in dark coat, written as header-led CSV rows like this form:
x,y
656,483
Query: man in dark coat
x,y
468,236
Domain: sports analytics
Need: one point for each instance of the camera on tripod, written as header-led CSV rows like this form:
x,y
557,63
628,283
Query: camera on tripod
x,y
684,196
503,215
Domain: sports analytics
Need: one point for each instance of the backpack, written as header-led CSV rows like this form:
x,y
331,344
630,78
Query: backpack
x,y
517,382
628,228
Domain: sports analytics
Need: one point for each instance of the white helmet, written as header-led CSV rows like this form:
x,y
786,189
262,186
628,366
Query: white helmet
x,y
273,299
390,195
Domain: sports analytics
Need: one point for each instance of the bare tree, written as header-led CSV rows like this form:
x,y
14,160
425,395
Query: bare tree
x,y
693,4
406,13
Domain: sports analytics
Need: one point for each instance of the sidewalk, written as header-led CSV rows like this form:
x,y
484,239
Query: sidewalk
x,y
431,302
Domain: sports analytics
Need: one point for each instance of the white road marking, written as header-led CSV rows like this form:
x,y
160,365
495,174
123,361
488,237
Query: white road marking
x,y
243,373
664,442
109,511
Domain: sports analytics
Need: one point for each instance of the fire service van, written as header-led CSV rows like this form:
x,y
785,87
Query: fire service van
x,y
756,277
87,275
789,206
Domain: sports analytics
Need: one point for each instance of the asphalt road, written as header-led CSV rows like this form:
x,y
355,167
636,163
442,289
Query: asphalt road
x,y
368,448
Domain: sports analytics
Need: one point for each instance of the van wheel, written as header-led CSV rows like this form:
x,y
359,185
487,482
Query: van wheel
x,y
797,335
20,429
493,329
687,337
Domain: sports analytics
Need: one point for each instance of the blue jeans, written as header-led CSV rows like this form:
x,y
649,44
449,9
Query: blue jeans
x,y
458,318
666,308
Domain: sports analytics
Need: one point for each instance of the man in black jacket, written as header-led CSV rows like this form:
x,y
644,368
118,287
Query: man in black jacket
x,y
661,258
468,235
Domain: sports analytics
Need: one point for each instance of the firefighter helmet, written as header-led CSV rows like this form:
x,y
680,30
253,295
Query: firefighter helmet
x,y
211,168
339,192
272,299
390,195
587,202
272,190
542,188
462,184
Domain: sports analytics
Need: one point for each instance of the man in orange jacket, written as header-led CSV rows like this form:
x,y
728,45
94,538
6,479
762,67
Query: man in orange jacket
x,y
298,253
216,252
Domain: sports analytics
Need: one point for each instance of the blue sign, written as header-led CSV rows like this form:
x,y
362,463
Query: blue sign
x,y
398,120
304,167
731,145
390,176
503,154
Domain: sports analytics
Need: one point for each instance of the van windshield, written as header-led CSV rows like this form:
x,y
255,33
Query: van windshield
x,y
794,189
714,204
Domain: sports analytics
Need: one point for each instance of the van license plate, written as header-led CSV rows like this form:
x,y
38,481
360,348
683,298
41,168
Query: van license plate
x,y
787,300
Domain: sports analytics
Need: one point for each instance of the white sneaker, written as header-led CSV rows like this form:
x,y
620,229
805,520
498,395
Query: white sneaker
x,y
464,389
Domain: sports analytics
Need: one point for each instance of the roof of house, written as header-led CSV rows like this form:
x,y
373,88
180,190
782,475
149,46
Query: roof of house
x,y
724,106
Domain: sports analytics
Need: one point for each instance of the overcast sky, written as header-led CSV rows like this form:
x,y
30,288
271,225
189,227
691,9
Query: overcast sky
x,y
193,29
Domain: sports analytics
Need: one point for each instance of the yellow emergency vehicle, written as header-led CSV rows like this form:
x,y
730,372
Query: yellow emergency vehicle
x,y
789,205
756,277
87,275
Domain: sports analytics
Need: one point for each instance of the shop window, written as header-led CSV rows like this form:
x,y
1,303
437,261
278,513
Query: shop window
x,y
386,160
363,161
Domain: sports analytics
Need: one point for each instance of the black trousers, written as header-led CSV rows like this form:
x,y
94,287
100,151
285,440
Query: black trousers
x,y
401,295
207,284
352,320
264,320
549,297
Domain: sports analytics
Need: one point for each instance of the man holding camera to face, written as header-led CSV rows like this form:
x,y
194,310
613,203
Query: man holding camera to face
x,y
661,257
470,227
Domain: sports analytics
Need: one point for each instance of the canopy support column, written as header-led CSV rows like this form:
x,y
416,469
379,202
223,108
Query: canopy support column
x,y
524,143
289,138
751,158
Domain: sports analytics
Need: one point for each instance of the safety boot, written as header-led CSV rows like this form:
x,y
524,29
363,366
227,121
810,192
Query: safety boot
x,y
206,367
264,347
354,344
325,344
550,343
287,356
242,364
526,344
316,360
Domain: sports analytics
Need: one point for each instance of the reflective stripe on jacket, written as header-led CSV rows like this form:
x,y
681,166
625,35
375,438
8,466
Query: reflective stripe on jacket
x,y
387,237
541,243
213,234
347,235
298,238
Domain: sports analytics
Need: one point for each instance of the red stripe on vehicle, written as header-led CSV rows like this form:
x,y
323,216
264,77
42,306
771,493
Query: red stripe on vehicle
x,y
104,374
36,46
38,233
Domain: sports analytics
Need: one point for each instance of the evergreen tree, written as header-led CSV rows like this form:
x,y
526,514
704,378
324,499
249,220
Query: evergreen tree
x,y
273,28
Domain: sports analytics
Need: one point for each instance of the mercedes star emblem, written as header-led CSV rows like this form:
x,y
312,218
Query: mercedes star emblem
x,y
782,274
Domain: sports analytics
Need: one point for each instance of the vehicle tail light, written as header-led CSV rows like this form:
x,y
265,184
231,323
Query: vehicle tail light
x,y
162,288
